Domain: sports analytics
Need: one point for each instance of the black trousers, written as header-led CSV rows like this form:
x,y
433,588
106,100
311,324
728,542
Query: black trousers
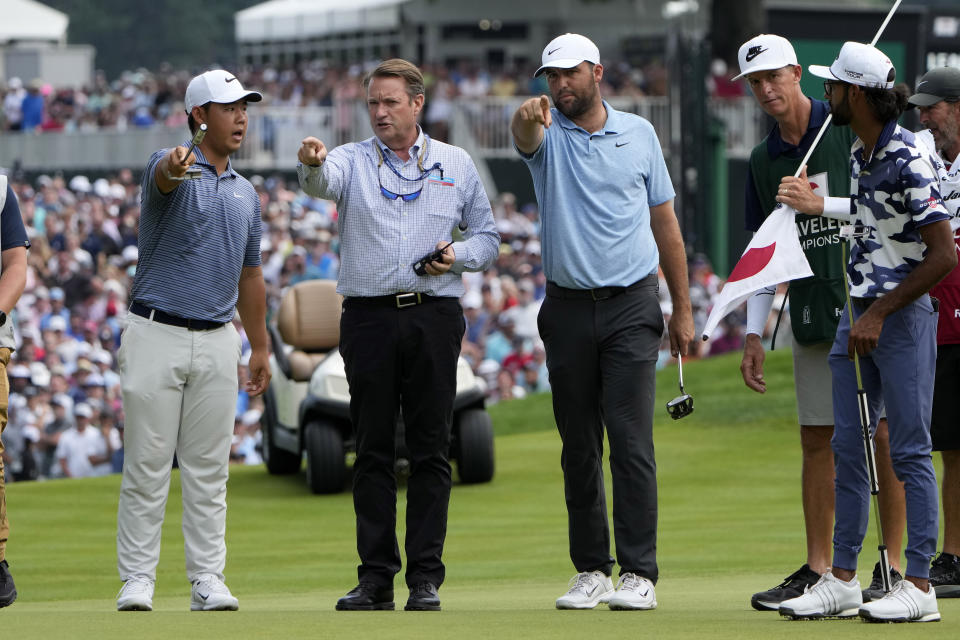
x,y
601,356
401,359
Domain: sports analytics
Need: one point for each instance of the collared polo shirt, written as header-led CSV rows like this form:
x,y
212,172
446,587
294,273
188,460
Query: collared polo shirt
x,y
194,241
832,157
947,291
380,238
595,192
895,192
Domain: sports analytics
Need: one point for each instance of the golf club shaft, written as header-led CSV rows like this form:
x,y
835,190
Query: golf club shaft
x,y
868,448
871,457
680,370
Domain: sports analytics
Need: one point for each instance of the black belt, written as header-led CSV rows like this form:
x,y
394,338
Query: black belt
x,y
601,293
396,300
156,315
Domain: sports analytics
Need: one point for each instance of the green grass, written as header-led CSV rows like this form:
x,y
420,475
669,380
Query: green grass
x,y
730,524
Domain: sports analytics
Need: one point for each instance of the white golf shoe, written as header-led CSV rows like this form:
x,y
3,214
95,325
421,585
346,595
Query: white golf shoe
x,y
209,593
587,590
136,594
829,598
904,603
633,593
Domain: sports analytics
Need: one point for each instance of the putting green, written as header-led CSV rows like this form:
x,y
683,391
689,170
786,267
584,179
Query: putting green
x,y
730,524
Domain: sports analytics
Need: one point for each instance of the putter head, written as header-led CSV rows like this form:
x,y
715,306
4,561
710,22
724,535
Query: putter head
x,y
680,406
193,173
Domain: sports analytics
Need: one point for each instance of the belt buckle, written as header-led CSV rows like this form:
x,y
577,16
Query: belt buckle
x,y
190,326
596,297
413,299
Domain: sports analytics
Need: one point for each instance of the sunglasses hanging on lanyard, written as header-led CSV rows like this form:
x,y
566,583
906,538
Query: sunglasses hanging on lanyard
x,y
424,173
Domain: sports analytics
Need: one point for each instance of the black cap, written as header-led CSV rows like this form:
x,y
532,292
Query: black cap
x,y
942,83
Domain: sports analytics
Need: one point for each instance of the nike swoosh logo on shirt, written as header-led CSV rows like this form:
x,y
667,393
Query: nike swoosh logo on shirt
x,y
237,195
620,144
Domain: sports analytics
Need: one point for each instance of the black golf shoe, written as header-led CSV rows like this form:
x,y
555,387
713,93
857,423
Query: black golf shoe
x,y
945,575
423,597
875,590
367,596
8,592
792,586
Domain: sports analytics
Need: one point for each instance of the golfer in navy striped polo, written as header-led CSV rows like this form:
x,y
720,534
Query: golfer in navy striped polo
x,y
199,262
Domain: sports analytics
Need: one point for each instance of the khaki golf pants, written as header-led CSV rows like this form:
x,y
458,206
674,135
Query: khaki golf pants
x,y
179,397
4,399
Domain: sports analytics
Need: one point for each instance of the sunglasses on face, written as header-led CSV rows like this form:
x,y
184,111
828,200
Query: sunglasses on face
x,y
828,86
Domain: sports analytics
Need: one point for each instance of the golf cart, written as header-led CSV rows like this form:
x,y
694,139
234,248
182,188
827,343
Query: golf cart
x,y
307,406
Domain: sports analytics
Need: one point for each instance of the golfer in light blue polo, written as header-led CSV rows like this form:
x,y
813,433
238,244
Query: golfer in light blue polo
x,y
606,207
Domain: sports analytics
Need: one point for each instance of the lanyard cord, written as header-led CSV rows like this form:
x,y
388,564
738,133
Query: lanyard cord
x,y
383,159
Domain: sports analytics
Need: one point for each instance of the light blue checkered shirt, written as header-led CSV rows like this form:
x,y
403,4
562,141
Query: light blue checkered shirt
x,y
380,239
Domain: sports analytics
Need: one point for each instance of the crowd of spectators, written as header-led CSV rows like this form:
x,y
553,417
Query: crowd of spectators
x,y
144,98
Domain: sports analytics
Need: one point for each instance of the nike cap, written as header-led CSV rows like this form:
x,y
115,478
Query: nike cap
x,y
567,51
217,86
935,85
765,52
860,64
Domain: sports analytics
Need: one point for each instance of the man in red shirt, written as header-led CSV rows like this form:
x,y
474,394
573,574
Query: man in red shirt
x,y
938,101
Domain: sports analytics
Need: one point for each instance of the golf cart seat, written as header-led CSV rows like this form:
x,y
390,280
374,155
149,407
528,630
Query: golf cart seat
x,y
309,321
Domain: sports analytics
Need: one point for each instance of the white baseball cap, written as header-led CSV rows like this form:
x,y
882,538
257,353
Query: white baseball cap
x,y
217,86
859,64
765,52
82,409
567,51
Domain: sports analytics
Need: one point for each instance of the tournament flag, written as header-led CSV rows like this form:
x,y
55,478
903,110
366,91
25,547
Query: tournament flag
x,y
772,256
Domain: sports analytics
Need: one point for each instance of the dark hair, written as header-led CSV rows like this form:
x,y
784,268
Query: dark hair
x,y
193,123
887,104
398,68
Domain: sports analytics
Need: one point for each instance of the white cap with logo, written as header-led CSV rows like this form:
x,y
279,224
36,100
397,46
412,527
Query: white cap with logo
x,y
764,53
860,64
217,86
567,51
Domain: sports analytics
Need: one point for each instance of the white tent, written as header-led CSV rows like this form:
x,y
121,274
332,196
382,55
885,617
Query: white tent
x,y
26,20
299,19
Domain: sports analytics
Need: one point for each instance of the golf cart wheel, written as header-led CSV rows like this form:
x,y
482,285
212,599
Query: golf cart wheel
x,y
475,447
278,461
326,463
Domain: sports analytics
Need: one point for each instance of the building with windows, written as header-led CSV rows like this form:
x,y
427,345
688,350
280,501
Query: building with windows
x,y
493,33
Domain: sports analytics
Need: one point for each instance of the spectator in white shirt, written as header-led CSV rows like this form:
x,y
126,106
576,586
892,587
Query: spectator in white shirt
x,y
83,451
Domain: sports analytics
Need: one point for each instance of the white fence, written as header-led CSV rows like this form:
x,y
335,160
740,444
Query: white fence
x,y
482,126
